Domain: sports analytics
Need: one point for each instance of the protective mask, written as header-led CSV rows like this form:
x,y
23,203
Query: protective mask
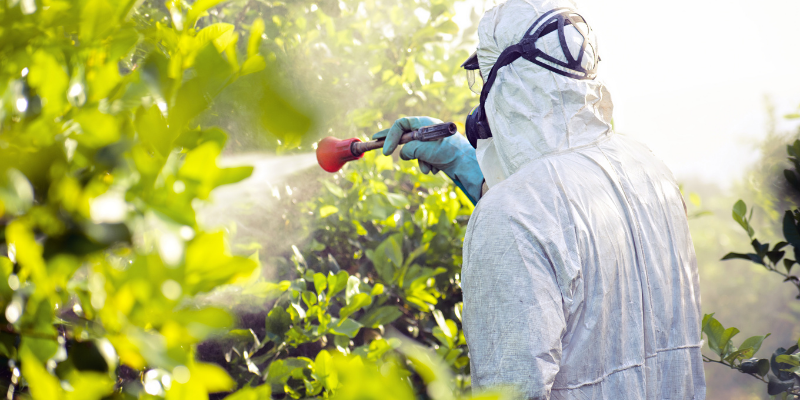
x,y
489,161
582,67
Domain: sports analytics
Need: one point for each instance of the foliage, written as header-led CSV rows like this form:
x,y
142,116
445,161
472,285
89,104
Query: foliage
x,y
360,63
391,232
784,363
99,174
102,172
382,261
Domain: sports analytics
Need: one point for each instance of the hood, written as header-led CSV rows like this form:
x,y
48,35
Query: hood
x,y
532,111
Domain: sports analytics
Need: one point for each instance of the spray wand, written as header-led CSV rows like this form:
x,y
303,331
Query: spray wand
x,y
333,153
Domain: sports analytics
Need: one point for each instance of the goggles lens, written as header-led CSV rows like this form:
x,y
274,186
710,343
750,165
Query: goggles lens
x,y
475,80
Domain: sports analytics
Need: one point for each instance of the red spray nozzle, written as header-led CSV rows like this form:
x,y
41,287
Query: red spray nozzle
x,y
332,153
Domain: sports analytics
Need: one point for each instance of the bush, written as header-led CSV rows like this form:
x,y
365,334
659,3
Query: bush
x,y
98,176
380,264
784,364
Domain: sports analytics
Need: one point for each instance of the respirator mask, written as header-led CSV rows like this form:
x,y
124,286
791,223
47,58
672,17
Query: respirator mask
x,y
570,28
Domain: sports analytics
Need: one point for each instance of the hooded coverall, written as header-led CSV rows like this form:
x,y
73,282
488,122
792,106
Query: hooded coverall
x,y
579,276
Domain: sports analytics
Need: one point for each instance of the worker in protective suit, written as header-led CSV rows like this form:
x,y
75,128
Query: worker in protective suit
x,y
579,275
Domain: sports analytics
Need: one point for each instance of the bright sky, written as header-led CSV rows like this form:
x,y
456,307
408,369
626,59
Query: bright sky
x,y
689,78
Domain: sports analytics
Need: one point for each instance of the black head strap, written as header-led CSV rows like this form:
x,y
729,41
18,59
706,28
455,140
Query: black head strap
x,y
550,21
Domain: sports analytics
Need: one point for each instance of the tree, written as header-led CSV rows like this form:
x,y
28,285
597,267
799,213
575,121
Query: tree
x,y
784,364
103,163
98,174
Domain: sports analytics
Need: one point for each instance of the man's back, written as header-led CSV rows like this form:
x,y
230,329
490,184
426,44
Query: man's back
x,y
580,279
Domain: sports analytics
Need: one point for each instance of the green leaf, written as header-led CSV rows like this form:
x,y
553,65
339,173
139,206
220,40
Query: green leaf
x,y
42,320
775,256
440,320
448,27
749,257
151,127
334,189
790,231
751,345
43,386
416,253
739,209
763,367
394,249
443,338
50,80
97,16
739,215
397,200
791,177
355,303
787,263
726,337
345,327
98,129
251,393
190,139
281,117
324,370
337,283
731,256
380,316
252,65
775,386
320,282
228,176
267,290
254,42
209,264
123,43
326,211
212,73
714,331
277,323
90,385
793,360
198,9
353,288
310,298
366,117
377,289
778,368
212,376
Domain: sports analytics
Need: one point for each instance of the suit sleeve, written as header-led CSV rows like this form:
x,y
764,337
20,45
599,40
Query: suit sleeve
x,y
513,316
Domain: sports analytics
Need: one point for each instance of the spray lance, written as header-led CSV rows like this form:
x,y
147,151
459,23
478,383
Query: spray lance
x,y
333,153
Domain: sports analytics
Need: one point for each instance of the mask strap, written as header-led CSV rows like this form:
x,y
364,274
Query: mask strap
x,y
509,55
573,66
526,49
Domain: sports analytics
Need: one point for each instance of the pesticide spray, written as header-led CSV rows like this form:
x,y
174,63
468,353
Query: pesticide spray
x,y
333,153
239,202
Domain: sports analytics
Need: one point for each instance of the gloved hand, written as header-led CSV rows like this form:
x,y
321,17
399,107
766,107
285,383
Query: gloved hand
x,y
453,155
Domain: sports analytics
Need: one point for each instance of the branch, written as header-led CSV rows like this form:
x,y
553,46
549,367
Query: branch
x,y
787,278
706,359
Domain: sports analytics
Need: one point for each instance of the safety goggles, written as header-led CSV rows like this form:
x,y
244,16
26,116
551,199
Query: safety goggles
x,y
474,76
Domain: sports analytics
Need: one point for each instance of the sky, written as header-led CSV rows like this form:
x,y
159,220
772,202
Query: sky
x,y
690,78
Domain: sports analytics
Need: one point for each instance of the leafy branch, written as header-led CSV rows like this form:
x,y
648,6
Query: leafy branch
x,y
784,363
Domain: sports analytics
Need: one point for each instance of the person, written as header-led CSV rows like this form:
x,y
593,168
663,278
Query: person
x,y
579,275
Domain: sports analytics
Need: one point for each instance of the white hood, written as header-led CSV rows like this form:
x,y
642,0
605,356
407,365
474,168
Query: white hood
x,y
532,111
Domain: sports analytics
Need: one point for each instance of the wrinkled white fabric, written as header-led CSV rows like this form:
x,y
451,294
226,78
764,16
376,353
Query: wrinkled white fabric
x,y
489,160
579,275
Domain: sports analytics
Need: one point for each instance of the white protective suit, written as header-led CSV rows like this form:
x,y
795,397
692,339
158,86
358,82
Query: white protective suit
x,y
579,276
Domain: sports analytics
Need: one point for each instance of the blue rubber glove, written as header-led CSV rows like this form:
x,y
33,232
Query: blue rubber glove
x,y
453,155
